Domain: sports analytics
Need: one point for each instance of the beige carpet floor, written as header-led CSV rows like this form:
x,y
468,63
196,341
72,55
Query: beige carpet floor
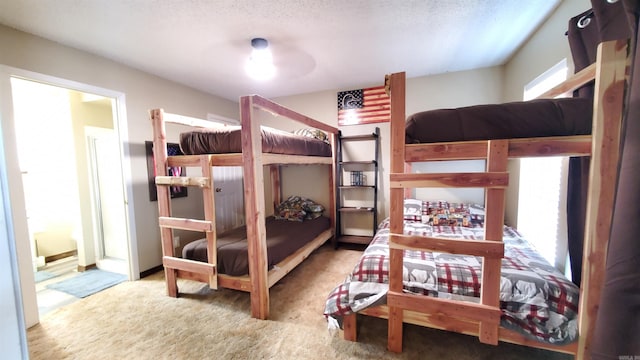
x,y
136,320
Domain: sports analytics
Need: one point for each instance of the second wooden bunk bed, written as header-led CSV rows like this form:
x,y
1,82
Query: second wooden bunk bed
x,y
252,160
610,72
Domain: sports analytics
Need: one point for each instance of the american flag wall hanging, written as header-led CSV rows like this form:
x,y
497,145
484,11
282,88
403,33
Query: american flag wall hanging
x,y
363,106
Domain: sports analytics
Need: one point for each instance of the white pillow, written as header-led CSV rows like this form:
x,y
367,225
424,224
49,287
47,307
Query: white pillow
x,y
413,209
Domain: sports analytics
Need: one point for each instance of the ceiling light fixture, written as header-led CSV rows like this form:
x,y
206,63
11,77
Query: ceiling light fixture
x,y
259,66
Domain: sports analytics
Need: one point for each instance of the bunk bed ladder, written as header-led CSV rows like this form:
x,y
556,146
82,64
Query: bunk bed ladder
x,y
171,263
482,318
495,181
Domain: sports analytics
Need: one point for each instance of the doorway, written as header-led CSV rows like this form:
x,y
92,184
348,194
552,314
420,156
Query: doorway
x,y
69,155
107,200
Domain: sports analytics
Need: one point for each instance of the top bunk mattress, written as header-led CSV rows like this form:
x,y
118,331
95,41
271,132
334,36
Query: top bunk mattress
x,y
228,140
524,119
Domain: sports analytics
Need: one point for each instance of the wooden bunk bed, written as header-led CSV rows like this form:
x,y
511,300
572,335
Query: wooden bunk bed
x,y
610,72
252,160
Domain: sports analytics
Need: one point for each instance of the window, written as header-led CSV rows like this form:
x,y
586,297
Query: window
x,y
550,78
542,195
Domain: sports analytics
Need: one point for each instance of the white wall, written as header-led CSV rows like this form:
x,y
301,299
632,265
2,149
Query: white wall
x,y
52,207
423,93
86,114
545,48
13,337
143,92
482,86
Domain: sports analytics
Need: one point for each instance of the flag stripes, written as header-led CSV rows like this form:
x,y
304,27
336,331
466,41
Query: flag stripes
x,y
363,106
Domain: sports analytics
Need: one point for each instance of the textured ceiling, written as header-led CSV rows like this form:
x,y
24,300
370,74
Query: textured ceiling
x,y
317,44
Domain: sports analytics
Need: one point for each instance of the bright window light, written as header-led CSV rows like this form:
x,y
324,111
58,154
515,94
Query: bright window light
x,y
538,203
542,181
550,78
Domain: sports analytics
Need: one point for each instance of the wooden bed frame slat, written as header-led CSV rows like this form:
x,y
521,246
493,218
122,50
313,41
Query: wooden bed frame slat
x,y
170,118
442,322
185,224
487,248
289,263
188,265
578,145
458,180
198,181
268,159
447,151
235,159
574,82
445,307
277,109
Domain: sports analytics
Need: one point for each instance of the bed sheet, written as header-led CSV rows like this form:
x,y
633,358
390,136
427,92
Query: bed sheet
x,y
535,298
283,239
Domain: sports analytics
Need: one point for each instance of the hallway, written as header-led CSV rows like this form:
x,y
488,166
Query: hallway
x,y
53,272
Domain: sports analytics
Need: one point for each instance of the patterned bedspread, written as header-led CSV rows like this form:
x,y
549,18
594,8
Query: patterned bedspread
x,y
536,299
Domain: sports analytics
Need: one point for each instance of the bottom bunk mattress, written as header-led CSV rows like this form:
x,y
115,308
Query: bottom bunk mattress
x,y
535,298
283,239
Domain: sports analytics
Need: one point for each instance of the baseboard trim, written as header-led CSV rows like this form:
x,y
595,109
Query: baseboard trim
x,y
151,271
51,258
83,268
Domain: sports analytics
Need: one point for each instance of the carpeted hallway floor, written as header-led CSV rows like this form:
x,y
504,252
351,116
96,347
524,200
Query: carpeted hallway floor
x,y
136,320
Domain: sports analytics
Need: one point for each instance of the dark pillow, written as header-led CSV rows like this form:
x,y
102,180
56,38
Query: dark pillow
x,y
297,208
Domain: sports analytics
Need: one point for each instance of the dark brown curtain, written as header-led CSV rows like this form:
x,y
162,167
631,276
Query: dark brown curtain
x,y
584,37
617,333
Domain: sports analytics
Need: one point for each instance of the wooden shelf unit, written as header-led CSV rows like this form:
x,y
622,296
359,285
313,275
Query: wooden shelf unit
x,y
343,190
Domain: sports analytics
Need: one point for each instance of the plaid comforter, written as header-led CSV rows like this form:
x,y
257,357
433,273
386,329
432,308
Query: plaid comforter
x,y
535,298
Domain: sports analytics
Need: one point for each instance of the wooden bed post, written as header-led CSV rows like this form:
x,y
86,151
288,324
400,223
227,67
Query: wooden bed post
x,y
254,209
164,199
497,158
333,178
397,89
609,94
276,185
210,215
408,192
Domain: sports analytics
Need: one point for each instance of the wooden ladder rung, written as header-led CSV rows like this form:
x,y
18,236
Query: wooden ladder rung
x,y
199,181
489,180
445,307
486,248
185,224
188,265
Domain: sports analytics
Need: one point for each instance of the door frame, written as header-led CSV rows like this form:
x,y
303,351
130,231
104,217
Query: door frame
x,y
16,190
93,133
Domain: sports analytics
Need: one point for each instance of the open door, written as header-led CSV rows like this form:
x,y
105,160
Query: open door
x,y
108,201
83,233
